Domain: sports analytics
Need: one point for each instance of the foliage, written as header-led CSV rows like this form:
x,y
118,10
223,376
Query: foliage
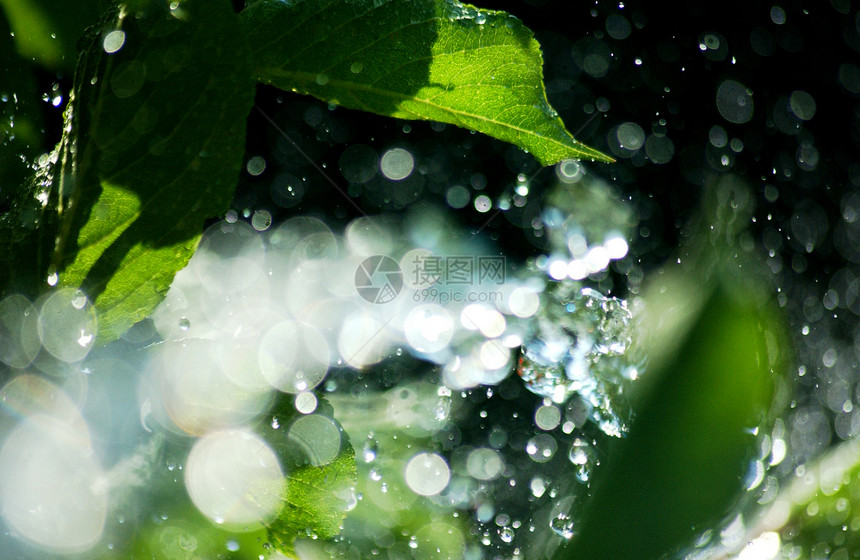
x,y
154,127
682,468
154,135
152,147
155,141
441,61
317,496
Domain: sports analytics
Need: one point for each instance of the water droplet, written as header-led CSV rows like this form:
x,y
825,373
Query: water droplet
x,y
113,41
352,500
369,450
506,534
547,417
562,524
630,136
262,220
306,402
396,164
184,323
67,324
443,408
255,166
356,67
584,459
538,486
427,474
79,300
483,203
541,448
735,102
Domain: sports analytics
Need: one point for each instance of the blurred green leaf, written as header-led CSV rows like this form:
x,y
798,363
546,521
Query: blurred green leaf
x,y
681,470
422,59
21,140
20,120
47,31
154,141
817,513
317,496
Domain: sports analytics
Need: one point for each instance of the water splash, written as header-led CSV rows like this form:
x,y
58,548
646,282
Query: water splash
x,y
579,346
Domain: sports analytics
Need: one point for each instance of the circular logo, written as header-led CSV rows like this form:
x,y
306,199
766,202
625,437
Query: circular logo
x,y
378,279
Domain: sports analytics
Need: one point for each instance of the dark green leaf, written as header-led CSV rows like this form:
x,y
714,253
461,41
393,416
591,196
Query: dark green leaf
x,y
154,145
681,470
422,59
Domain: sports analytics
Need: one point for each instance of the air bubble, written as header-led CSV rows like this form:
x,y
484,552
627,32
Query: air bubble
x,y
293,357
618,27
234,478
396,164
113,41
67,325
318,437
262,220
483,203
547,417
256,165
428,328
369,450
734,102
306,402
484,464
630,136
802,105
541,448
457,196
583,458
427,474
777,15
52,490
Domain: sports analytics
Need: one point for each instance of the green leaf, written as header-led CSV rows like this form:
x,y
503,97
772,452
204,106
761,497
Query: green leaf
x,y
681,470
46,31
155,136
315,504
422,59
317,492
